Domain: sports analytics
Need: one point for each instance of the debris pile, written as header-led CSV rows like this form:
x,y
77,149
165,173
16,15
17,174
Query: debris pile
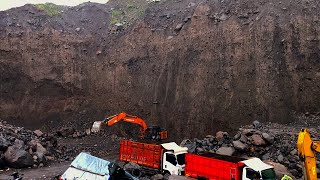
x,y
256,140
20,148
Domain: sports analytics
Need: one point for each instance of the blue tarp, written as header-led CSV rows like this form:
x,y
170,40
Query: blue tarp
x,y
87,167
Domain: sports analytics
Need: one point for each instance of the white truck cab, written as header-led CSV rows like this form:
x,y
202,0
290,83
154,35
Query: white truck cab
x,y
256,169
173,160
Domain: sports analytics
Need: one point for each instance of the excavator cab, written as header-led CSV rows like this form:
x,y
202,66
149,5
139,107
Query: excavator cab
x,y
155,133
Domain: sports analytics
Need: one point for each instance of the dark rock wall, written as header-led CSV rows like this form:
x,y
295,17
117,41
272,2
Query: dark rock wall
x,y
231,63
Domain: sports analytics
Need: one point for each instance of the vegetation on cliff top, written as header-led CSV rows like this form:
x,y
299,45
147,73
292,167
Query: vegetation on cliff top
x,y
128,11
49,8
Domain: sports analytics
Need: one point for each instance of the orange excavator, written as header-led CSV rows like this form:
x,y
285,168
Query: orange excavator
x,y
306,151
150,133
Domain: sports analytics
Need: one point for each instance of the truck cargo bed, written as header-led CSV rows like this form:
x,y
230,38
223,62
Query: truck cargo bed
x,y
213,166
148,155
222,157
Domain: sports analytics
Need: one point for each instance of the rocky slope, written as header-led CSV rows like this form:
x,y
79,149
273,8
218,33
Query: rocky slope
x,y
193,67
273,143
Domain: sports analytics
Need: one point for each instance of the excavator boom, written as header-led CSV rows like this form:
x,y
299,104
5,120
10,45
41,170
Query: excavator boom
x,y
306,151
127,118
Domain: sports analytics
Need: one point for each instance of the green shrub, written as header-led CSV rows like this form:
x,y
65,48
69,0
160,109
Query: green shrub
x,y
116,16
49,8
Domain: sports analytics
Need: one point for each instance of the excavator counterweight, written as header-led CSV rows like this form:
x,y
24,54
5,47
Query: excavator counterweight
x,y
152,133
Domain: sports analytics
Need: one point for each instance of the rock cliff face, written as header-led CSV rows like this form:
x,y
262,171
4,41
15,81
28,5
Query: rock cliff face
x,y
190,66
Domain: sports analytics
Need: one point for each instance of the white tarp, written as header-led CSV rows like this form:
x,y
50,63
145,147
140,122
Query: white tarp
x,y
87,167
174,147
256,164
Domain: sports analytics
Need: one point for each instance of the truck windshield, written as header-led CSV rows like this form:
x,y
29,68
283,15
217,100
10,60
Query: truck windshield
x,y
181,159
268,174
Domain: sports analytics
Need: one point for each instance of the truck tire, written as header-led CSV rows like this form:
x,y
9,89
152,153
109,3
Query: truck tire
x,y
136,172
166,175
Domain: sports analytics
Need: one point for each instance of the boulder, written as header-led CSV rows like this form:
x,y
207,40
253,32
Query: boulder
x,y
257,140
179,27
41,151
209,136
49,158
256,124
221,135
2,161
266,157
238,145
190,145
268,138
237,136
17,157
185,142
4,144
243,138
198,149
19,144
186,19
249,132
223,17
88,131
226,151
98,52
295,173
51,140
280,169
294,152
280,158
38,133
64,132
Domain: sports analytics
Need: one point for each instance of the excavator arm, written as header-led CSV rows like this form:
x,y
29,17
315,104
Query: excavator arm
x,y
127,118
152,132
306,151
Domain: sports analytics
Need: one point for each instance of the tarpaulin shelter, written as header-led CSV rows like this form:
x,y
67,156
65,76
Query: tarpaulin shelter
x,y
87,167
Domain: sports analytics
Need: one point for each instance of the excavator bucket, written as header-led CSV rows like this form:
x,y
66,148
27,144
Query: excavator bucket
x,y
96,127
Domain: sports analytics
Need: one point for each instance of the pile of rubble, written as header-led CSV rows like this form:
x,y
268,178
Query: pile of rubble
x,y
256,140
20,148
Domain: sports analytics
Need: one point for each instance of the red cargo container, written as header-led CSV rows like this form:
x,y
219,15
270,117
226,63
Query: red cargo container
x,y
213,166
148,155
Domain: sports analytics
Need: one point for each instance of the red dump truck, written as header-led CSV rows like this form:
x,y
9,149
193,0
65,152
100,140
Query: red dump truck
x,y
167,158
219,167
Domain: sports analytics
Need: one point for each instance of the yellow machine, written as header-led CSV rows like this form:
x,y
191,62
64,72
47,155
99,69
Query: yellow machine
x,y
306,151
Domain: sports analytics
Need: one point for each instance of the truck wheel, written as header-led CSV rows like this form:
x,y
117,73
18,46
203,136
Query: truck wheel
x,y
136,172
166,175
